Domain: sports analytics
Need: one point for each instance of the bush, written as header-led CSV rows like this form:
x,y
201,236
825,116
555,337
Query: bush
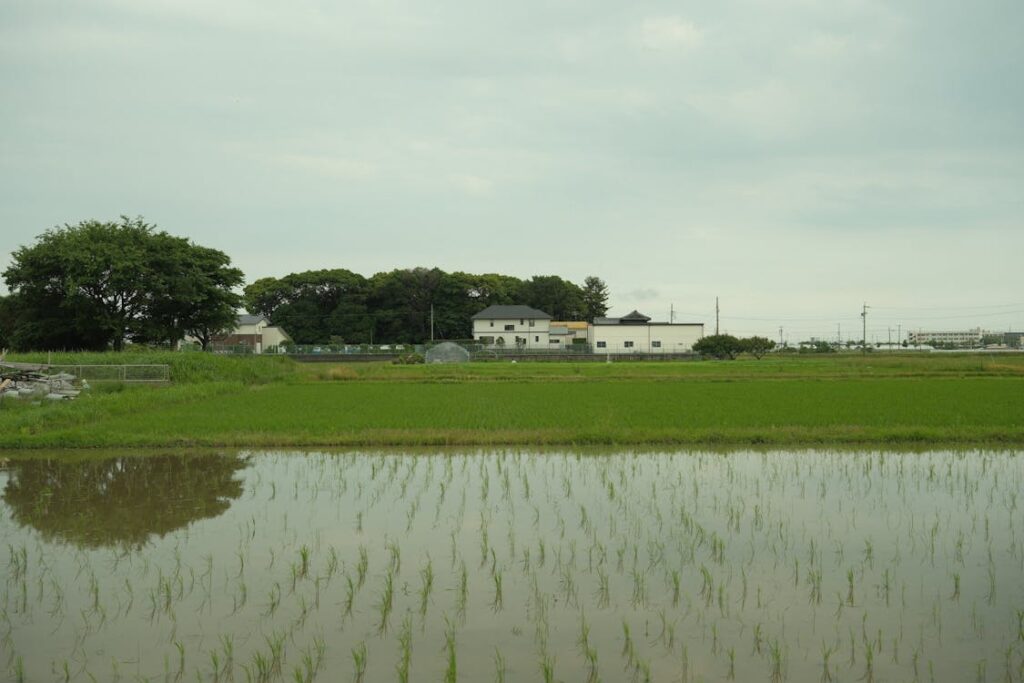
x,y
409,359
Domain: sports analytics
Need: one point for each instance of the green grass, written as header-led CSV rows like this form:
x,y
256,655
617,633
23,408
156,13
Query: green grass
x,y
223,401
187,368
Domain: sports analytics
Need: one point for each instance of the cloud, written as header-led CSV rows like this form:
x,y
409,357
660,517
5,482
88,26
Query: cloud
x,y
669,33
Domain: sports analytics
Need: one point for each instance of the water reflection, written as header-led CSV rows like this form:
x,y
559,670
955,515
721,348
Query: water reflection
x,y
123,500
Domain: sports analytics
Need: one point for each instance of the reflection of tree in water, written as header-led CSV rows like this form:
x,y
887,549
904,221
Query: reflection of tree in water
x,y
120,501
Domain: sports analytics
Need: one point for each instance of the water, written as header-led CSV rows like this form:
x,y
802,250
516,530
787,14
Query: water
x,y
843,566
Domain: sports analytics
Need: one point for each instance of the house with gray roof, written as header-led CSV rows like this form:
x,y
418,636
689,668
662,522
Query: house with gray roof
x,y
512,327
255,332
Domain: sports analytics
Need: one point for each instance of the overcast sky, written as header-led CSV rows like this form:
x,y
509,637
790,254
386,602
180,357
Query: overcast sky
x,y
795,158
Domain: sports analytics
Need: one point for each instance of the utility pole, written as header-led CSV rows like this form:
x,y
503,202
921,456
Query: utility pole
x,y
671,313
864,328
431,322
899,334
780,335
716,315
839,334
890,337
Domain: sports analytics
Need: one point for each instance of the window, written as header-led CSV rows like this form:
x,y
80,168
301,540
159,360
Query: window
x,y
531,323
601,344
492,323
627,344
509,328
520,321
655,344
536,339
552,341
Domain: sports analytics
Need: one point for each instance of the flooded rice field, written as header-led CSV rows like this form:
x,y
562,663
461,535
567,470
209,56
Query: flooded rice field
x,y
514,566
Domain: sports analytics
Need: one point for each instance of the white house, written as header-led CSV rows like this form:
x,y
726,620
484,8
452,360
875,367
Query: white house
x,y
254,331
512,327
635,333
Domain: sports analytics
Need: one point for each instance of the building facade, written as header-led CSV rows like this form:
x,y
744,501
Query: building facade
x,y
635,333
956,337
569,335
513,327
254,332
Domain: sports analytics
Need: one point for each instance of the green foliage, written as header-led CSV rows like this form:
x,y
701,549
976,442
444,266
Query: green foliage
x,y
559,298
185,367
95,285
595,298
758,346
6,322
401,306
720,346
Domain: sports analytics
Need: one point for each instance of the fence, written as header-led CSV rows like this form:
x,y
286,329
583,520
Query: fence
x,y
114,373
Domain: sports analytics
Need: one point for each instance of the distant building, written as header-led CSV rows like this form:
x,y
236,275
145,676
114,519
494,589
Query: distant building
x,y
635,333
513,327
955,337
568,334
254,332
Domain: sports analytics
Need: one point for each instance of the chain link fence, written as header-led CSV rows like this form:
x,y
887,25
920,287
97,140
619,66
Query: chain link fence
x,y
114,373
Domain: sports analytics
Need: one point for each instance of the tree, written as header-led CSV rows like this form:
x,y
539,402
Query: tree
x,y
6,322
315,305
96,284
196,294
559,298
720,346
595,298
758,346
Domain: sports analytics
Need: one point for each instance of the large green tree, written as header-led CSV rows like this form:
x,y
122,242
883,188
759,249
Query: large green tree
x,y
720,346
315,306
559,298
595,298
95,284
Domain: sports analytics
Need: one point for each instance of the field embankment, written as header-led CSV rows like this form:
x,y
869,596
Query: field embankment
x,y
265,402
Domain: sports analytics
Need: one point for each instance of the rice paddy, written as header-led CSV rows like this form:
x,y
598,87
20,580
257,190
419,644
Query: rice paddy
x,y
510,565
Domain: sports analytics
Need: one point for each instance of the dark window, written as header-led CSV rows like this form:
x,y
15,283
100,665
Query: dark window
x,y
552,341
536,339
520,321
509,328
628,344
655,344
601,345
492,323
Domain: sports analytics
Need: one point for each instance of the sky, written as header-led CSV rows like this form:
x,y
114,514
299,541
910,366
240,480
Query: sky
x,y
794,158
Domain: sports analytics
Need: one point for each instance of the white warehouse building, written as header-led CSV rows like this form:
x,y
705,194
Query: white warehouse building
x,y
635,333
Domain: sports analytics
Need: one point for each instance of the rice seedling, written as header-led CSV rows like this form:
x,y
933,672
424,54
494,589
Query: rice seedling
x,y
359,662
736,563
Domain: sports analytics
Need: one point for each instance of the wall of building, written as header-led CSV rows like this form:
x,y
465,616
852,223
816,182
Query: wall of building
x,y
655,338
535,332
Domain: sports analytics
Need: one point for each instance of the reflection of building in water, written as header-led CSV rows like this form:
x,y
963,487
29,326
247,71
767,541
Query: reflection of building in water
x,y
120,501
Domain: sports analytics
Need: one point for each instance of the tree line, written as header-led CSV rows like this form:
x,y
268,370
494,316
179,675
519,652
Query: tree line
x,y
407,305
99,285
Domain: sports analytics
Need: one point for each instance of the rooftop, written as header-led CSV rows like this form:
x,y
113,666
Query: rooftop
x,y
511,312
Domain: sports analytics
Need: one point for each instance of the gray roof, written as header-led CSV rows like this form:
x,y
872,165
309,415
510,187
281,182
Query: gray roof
x,y
510,312
248,319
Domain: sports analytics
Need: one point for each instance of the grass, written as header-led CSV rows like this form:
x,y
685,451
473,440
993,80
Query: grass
x,y
219,401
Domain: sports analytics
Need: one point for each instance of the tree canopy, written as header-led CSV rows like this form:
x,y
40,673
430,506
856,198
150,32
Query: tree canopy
x,y
94,285
595,298
719,346
397,306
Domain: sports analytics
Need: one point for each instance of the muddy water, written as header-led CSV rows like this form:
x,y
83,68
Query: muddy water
x,y
514,566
